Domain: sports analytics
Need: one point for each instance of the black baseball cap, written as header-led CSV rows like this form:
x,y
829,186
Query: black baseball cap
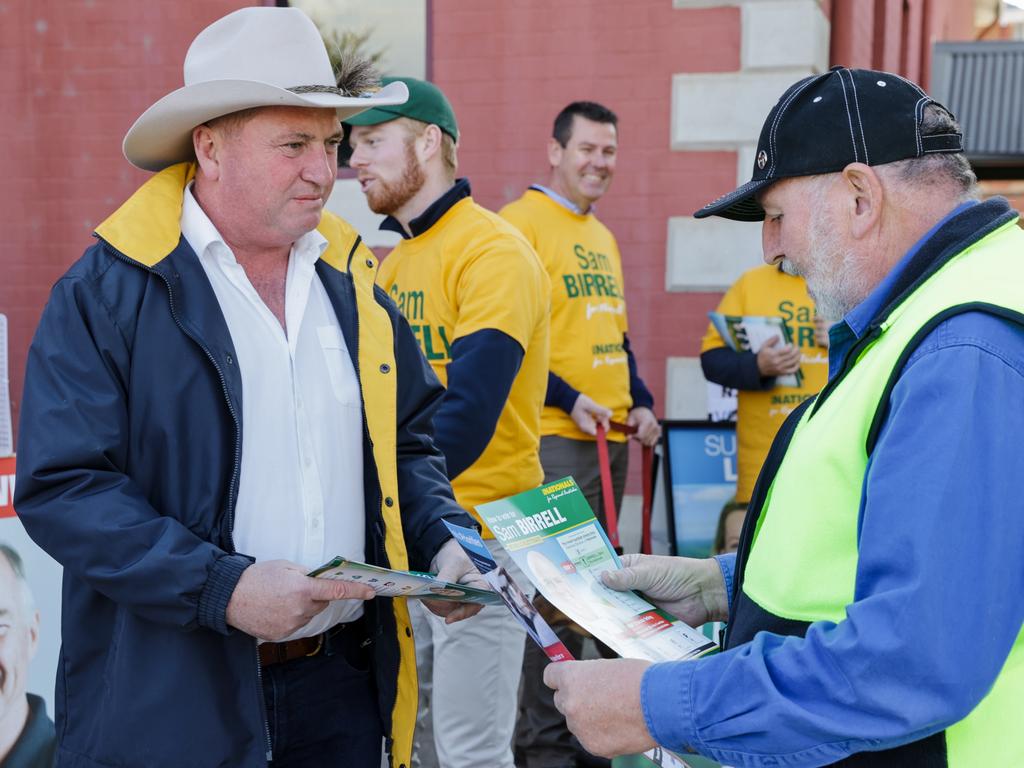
x,y
823,123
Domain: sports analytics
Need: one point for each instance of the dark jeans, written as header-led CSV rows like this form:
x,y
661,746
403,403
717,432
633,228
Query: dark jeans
x,y
542,738
322,710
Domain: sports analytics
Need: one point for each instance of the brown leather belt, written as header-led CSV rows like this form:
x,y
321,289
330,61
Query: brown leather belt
x,y
278,653
349,639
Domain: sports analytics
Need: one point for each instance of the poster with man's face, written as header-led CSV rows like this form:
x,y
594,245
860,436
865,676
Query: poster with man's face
x,y
43,578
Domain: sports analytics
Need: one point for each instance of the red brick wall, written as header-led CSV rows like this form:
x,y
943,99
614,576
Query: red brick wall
x,y
74,78
897,35
508,69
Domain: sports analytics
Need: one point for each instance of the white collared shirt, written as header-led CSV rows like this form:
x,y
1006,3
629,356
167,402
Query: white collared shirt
x,y
300,494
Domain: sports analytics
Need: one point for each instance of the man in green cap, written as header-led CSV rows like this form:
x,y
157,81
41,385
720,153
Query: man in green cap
x,y
478,301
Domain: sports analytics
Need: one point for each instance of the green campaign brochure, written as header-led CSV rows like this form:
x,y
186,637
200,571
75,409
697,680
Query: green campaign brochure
x,y
553,536
389,583
748,333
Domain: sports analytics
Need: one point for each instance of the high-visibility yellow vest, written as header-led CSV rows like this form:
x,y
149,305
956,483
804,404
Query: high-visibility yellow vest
x,y
803,556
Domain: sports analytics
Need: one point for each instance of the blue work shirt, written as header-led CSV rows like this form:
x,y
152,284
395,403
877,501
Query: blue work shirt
x,y
939,592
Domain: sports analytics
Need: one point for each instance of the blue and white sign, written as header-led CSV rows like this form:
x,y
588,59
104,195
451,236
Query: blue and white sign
x,y
700,475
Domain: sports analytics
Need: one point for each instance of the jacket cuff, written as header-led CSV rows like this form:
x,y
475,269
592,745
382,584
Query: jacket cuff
x,y
213,600
666,701
727,564
431,541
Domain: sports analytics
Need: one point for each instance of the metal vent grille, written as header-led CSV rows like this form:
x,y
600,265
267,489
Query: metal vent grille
x,y
983,85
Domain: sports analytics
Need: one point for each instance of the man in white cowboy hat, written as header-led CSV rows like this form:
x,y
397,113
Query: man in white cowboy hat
x,y
218,400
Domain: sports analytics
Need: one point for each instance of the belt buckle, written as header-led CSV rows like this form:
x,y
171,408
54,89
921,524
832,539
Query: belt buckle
x,y
319,645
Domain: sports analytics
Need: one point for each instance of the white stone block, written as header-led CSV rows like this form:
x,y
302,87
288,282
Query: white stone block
x,y
784,33
348,201
686,389
709,254
721,110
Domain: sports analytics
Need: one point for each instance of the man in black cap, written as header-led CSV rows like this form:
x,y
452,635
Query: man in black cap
x,y
870,532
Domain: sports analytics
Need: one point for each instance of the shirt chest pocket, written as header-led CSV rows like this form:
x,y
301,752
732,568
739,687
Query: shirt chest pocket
x,y
340,372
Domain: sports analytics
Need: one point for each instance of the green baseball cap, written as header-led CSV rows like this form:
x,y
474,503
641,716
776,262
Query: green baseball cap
x,y
426,103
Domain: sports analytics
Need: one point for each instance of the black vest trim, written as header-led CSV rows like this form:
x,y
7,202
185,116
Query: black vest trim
x,y
883,403
764,481
929,752
750,618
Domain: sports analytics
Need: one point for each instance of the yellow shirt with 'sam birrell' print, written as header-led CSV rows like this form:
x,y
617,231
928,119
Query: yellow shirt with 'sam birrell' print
x,y
473,271
769,292
588,306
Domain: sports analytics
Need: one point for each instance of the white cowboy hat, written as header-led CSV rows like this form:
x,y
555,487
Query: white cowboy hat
x,y
254,57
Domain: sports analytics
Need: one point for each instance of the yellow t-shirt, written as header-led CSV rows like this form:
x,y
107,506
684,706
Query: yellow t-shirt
x,y
767,291
469,272
588,306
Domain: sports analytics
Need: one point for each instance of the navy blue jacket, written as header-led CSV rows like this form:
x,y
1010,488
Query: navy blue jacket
x,y
128,469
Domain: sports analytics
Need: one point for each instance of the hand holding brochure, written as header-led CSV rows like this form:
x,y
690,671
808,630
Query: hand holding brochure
x,y
388,583
555,539
748,333
511,594
531,620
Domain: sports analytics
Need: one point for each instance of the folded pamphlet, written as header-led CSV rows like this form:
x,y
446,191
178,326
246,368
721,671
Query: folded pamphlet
x,y
748,333
515,599
389,583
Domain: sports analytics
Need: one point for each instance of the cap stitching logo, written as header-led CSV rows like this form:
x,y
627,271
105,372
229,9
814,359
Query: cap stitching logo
x,y
849,118
860,122
778,118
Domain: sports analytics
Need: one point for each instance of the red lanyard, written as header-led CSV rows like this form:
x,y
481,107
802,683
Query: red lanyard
x,y
610,515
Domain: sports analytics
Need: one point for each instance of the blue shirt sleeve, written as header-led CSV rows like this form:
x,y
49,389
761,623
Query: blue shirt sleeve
x,y
480,375
939,594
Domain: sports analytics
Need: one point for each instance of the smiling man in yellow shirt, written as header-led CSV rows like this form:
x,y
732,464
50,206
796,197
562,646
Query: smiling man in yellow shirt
x,y
478,301
593,376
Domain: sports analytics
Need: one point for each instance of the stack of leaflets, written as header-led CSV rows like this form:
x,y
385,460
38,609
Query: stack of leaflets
x,y
748,333
389,583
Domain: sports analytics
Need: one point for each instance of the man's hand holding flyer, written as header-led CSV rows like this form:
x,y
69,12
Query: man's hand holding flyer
x,y
552,534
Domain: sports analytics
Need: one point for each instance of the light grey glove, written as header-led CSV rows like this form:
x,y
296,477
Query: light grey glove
x,y
691,588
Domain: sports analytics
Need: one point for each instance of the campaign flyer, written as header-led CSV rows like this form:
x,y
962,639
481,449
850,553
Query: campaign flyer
x,y
751,332
511,594
553,536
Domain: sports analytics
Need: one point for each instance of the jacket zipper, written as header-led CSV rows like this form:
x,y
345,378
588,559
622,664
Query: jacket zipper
x,y
236,469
